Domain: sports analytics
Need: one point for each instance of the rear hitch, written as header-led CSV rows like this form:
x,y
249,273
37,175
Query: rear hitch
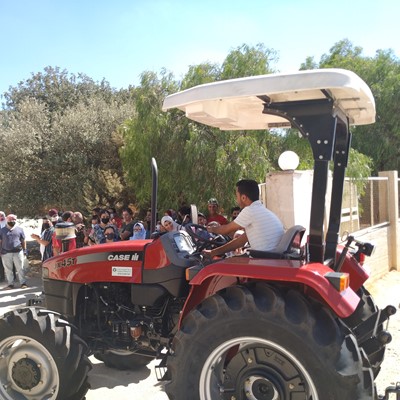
x,y
389,390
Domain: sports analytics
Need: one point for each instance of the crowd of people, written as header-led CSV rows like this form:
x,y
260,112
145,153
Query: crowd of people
x,y
249,223
104,225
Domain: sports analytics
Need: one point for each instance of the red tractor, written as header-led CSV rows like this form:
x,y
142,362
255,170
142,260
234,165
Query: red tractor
x,y
294,323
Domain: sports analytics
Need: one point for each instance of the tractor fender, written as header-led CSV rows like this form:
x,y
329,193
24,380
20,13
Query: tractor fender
x,y
239,270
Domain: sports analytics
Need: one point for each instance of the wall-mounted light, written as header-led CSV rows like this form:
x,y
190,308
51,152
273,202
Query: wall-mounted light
x,y
288,160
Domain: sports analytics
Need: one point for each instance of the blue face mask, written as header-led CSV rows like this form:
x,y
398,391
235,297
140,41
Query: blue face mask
x,y
139,234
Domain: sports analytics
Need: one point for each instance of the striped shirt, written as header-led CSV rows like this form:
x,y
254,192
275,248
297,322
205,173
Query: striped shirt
x,y
263,228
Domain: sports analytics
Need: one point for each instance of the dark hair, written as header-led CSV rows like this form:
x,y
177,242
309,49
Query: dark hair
x,y
110,227
96,217
128,210
249,188
66,215
237,208
112,209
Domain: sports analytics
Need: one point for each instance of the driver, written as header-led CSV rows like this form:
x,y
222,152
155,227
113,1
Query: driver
x,y
262,228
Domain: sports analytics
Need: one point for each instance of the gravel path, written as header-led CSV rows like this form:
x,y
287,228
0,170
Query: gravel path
x,y
122,385
387,291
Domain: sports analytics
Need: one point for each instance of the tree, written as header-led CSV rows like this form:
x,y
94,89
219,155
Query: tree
x,y
379,141
195,161
57,89
60,148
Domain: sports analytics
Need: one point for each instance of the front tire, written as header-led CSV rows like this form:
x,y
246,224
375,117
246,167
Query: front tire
x,y
255,343
41,357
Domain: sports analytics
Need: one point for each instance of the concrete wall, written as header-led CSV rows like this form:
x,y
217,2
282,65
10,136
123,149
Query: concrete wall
x,y
377,264
288,195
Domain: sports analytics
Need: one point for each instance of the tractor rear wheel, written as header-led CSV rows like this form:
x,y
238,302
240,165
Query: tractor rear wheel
x,y
256,342
365,309
41,357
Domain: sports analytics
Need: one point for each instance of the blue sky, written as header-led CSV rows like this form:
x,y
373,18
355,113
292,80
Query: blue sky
x,y
118,40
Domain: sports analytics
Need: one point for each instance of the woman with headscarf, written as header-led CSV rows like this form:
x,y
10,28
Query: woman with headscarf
x,y
169,224
139,232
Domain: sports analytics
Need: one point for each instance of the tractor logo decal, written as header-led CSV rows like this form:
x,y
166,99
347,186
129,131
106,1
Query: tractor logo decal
x,y
125,257
111,256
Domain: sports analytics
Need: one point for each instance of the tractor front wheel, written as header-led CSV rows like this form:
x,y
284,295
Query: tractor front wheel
x,y
256,342
41,357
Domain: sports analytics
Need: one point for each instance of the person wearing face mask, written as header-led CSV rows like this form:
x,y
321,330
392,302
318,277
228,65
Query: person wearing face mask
x,y
98,229
110,234
13,248
139,232
45,239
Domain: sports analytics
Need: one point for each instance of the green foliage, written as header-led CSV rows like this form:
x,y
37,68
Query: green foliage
x,y
248,61
73,143
57,89
379,141
195,162
61,149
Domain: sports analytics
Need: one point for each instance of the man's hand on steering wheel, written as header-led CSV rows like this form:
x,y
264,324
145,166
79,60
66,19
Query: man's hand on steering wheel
x,y
203,238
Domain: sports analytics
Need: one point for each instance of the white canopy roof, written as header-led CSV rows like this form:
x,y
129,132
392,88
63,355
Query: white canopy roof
x,y
234,104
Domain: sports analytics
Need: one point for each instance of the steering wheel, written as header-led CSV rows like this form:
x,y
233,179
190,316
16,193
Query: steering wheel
x,y
203,238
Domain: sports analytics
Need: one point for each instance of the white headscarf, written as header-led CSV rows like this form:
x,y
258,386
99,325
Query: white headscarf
x,y
138,235
174,224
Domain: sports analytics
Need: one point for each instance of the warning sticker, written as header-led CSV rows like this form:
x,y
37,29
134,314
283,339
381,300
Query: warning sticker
x,y
121,271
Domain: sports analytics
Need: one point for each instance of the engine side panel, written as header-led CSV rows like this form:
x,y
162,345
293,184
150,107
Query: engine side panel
x,y
119,262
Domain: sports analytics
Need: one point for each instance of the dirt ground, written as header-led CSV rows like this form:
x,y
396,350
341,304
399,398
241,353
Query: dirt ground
x,y
106,383
385,291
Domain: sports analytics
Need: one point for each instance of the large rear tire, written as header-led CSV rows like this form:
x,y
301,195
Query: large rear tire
x,y
366,307
255,343
41,357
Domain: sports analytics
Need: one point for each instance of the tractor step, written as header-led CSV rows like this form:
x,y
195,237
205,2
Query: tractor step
x,y
161,370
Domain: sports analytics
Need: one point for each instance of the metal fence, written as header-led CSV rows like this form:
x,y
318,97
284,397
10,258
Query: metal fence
x,y
365,204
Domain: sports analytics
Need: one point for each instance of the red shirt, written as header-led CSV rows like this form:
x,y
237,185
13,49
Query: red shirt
x,y
218,218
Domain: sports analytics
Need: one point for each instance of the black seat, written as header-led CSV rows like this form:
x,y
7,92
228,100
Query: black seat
x,y
289,247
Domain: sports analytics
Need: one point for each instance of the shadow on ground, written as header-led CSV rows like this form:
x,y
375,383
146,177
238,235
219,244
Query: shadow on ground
x,y
103,377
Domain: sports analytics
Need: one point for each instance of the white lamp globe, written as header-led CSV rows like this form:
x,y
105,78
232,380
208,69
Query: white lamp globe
x,y
288,160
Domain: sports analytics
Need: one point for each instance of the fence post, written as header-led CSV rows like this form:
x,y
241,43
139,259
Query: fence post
x,y
393,213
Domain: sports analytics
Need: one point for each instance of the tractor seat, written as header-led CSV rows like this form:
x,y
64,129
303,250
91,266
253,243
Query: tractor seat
x,y
289,247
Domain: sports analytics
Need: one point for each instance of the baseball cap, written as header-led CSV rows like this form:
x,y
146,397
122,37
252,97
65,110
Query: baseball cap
x,y
11,217
53,212
213,200
200,214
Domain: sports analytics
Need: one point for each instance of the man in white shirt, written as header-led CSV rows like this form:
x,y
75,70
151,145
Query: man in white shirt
x,y
262,227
